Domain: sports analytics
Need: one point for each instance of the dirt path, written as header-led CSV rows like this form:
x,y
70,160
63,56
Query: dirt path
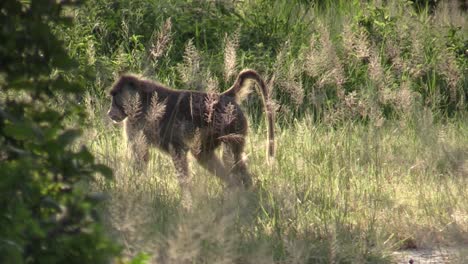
x,y
438,255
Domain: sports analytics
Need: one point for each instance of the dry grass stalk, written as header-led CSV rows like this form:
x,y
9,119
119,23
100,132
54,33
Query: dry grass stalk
x,y
295,89
161,41
356,42
191,236
448,67
231,44
195,146
376,71
271,106
351,107
417,64
290,81
393,52
228,115
231,138
190,69
449,14
322,62
211,83
139,146
210,102
316,62
129,215
405,98
156,110
133,107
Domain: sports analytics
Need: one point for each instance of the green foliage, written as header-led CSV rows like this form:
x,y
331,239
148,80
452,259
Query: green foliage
x,y
362,51
47,214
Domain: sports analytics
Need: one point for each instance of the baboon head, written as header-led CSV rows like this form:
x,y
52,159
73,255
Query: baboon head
x,y
122,90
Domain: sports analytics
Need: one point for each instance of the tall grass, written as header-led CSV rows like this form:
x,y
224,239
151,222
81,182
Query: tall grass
x,y
351,194
371,110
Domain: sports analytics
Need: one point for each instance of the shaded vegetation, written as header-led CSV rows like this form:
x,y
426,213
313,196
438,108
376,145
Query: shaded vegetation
x,y
47,215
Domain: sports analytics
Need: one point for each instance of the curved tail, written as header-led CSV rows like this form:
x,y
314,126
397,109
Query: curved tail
x,y
240,89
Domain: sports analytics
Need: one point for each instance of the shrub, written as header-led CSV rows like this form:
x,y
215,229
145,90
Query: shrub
x,y
46,214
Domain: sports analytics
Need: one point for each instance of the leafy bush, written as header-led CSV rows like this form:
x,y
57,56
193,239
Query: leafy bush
x,y
46,214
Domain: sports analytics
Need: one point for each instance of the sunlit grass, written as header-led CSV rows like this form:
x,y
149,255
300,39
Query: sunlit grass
x,y
352,193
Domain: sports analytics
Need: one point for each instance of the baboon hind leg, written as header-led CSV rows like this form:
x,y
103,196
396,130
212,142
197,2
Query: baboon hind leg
x,y
228,157
210,162
233,155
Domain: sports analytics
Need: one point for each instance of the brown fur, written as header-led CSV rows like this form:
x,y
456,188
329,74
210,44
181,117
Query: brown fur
x,y
192,121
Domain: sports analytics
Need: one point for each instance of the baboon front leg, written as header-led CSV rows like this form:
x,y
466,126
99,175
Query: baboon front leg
x,y
179,158
139,155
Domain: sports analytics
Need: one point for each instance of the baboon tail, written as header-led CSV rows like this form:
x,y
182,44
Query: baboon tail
x,y
240,89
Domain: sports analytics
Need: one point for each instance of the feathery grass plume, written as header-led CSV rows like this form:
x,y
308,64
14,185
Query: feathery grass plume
x,y
190,69
448,17
211,83
293,84
393,52
160,41
376,71
231,44
316,62
231,138
132,106
405,98
228,115
376,115
156,110
139,145
91,52
195,144
354,106
448,13
388,96
322,61
281,58
416,66
128,209
348,109
271,106
125,29
450,71
356,42
89,106
289,76
198,232
136,145
210,101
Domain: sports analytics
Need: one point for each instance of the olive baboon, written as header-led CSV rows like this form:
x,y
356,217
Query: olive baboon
x,y
179,121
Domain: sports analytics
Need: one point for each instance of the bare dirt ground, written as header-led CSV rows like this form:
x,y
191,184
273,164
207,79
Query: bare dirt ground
x,y
435,255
